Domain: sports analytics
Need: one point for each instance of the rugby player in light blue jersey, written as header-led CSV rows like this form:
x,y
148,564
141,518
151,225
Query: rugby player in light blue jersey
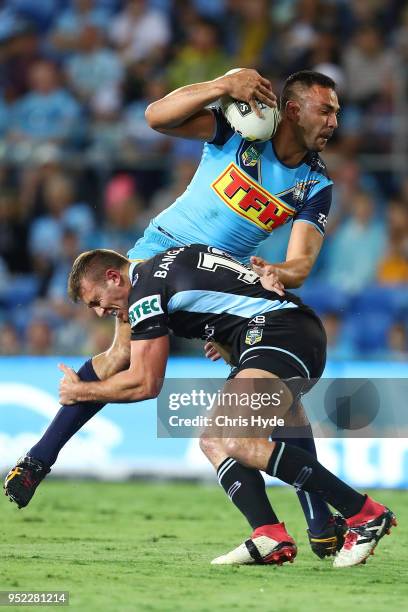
x,y
243,190
240,193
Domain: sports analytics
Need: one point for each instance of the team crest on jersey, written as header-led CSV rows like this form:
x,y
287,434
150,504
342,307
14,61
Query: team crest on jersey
x,y
248,199
253,335
299,190
250,156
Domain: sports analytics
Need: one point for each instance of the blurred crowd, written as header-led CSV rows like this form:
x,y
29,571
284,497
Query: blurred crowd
x,y
80,168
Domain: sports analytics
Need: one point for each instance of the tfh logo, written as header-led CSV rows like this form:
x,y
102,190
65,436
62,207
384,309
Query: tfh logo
x,y
250,200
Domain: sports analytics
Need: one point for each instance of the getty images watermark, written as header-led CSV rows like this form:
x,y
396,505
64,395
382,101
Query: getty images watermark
x,y
223,406
362,408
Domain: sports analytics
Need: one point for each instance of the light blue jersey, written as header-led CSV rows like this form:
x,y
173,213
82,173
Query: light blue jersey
x,y
239,194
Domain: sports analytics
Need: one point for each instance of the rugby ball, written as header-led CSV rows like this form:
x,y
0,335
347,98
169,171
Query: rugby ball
x,y
243,119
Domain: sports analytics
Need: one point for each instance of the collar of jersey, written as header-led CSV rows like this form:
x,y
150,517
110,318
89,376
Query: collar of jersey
x,y
303,161
133,264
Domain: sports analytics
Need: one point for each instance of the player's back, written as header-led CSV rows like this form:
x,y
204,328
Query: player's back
x,y
199,292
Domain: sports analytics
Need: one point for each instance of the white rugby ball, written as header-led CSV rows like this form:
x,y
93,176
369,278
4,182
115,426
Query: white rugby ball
x,y
243,119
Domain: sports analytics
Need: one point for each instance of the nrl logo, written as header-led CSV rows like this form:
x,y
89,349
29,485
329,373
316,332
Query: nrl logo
x,y
253,335
250,156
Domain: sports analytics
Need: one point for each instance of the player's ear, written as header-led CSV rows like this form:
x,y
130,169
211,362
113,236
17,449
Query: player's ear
x,y
292,109
113,275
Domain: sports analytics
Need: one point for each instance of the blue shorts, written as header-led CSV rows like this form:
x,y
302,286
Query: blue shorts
x,y
153,242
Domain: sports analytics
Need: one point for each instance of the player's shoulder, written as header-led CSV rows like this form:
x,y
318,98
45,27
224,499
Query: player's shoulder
x,y
317,165
141,277
146,297
223,131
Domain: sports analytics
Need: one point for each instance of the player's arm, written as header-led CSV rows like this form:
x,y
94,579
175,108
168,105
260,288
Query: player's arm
x,y
182,112
304,246
117,357
142,380
305,242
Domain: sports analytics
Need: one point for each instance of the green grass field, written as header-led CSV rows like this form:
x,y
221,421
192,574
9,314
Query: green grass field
x,y
141,546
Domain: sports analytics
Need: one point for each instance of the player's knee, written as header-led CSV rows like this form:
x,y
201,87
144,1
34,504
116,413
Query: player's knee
x,y
298,414
210,446
233,447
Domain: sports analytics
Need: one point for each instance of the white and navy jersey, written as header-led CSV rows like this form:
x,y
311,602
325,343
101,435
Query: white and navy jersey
x,y
241,192
198,292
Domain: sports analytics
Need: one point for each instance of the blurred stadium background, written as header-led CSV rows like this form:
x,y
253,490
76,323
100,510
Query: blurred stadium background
x,y
79,168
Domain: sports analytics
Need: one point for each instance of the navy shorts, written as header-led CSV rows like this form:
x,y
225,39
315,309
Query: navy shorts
x,y
290,343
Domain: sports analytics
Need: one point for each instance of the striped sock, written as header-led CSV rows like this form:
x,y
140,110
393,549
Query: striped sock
x,y
298,468
315,509
246,489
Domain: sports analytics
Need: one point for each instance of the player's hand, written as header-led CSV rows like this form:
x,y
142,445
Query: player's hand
x,y
268,274
211,352
248,85
68,385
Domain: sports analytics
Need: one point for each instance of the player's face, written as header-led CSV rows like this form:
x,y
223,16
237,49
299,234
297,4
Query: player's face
x,y
108,299
317,117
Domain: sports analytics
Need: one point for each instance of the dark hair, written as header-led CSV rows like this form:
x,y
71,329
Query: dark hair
x,y
92,265
305,78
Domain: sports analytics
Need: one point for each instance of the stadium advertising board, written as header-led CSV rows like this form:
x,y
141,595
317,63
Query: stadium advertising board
x,y
122,441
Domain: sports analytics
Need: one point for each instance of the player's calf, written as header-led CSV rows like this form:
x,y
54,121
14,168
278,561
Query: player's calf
x,y
23,479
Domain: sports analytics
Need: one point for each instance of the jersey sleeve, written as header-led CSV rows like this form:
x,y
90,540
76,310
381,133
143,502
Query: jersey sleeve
x,y
223,131
316,209
147,318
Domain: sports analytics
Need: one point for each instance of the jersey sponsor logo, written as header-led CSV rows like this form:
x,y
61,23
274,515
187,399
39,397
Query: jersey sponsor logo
x,y
253,335
250,156
258,320
209,331
321,164
247,198
144,309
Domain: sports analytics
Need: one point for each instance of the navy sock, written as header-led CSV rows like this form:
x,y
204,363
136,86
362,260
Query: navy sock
x,y
298,468
246,489
315,509
67,421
